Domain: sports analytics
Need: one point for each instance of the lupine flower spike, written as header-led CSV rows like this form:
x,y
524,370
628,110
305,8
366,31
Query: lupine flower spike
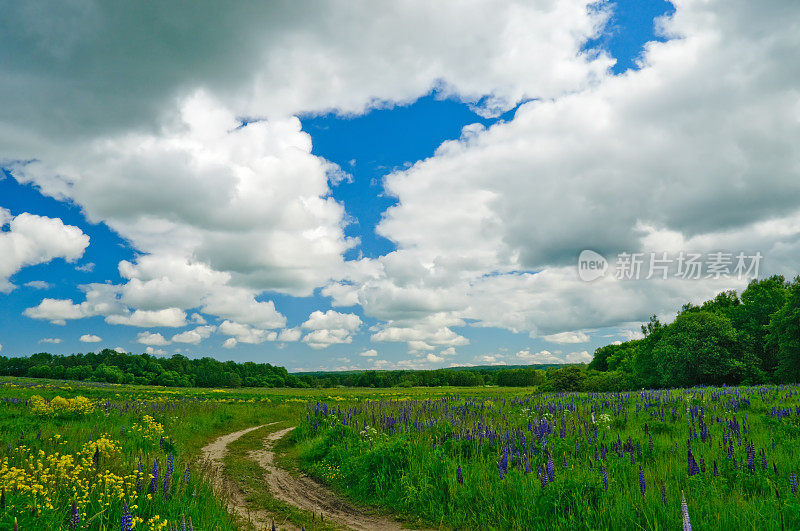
x,y
687,524
126,522
74,517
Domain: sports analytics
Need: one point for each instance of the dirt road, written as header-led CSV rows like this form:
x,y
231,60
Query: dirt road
x,y
303,492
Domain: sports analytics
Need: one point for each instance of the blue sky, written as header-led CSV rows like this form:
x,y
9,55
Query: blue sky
x,y
386,223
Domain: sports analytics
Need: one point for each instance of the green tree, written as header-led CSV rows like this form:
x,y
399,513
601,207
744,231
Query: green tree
x,y
701,347
784,336
760,301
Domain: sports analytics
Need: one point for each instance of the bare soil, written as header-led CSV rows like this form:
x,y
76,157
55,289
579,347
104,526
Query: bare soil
x,y
301,491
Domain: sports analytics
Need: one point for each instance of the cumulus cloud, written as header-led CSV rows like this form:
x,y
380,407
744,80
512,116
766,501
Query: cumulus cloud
x,y
290,334
330,328
567,337
491,359
52,340
31,240
488,229
150,338
195,336
90,338
155,351
169,317
243,333
371,353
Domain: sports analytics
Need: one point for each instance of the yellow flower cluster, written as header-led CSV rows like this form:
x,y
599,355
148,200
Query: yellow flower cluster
x,y
48,482
80,405
105,444
149,429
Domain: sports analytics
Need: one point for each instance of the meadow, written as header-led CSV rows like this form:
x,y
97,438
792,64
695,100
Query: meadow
x,y
103,456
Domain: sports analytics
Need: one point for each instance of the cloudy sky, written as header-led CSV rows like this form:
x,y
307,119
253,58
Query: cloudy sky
x,y
385,184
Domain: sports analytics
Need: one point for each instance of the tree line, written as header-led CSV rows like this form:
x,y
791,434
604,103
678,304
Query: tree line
x,y
142,369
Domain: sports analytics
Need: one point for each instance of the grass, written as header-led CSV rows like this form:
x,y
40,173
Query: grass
x,y
405,459
405,454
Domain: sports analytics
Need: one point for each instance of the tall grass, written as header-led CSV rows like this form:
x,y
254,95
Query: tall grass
x,y
405,455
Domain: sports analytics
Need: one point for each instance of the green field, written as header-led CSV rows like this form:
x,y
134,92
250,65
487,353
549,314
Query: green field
x,y
526,460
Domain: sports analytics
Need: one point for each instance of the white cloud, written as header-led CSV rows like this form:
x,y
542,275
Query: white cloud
x,y
290,334
242,333
196,336
491,359
169,317
90,338
332,320
330,328
322,338
543,356
579,357
567,337
488,229
196,318
371,353
38,284
423,334
150,338
120,350
229,343
31,240
53,340
101,299
171,168
155,351
433,358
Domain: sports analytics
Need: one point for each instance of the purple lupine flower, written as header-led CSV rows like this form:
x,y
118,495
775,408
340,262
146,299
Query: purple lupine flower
x,y
642,484
96,457
75,517
650,442
459,476
663,492
692,464
126,522
542,477
551,468
154,479
605,477
183,522
687,524
187,473
168,473
189,526
716,470
793,483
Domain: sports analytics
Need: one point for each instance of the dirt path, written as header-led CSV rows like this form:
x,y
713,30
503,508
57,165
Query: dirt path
x,y
213,454
307,494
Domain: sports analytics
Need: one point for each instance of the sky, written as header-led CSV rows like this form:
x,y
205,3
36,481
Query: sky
x,y
377,185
